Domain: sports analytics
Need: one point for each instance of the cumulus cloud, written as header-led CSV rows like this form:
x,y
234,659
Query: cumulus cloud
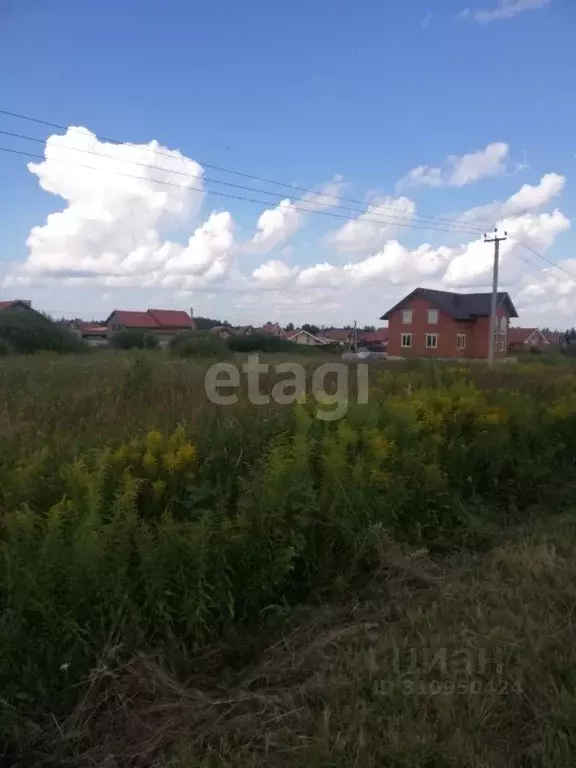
x,y
276,225
274,272
365,233
112,230
528,198
119,200
459,170
506,9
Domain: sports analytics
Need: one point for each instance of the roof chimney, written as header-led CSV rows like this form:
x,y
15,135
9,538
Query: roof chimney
x,y
191,311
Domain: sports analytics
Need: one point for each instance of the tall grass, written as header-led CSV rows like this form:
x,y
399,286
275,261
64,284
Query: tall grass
x,y
138,516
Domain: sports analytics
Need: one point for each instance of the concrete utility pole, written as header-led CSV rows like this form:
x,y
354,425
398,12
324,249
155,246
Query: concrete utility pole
x,y
493,327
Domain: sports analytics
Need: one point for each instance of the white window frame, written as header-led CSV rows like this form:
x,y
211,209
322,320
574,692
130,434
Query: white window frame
x,y
430,336
502,343
406,313
435,314
504,325
403,338
460,341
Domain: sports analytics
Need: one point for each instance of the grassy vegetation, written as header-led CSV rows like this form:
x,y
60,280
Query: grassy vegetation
x,y
176,578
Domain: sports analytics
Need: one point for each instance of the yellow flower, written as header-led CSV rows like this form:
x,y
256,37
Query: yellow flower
x,y
148,461
185,454
154,442
169,460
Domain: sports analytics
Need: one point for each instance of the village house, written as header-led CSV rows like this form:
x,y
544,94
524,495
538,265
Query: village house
x,y
16,304
94,334
375,341
165,324
300,336
533,338
429,323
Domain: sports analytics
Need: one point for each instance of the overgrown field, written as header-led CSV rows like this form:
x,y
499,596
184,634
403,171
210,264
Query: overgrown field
x,y
140,521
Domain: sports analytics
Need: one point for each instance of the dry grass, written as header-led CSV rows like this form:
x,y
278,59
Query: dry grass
x,y
337,687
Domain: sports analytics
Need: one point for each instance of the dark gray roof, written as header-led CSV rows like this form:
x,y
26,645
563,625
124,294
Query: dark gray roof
x,y
460,306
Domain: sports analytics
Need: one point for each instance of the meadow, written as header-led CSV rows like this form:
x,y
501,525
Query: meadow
x,y
193,585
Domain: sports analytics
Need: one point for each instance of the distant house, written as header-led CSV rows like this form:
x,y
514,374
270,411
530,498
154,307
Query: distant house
x,y
522,338
338,336
273,329
163,323
375,341
428,323
227,331
300,336
94,334
16,304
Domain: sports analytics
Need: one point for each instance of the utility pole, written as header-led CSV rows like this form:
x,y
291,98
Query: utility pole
x,y
493,327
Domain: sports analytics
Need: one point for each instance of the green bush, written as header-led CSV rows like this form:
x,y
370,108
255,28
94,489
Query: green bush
x,y
256,342
194,344
133,338
26,332
4,348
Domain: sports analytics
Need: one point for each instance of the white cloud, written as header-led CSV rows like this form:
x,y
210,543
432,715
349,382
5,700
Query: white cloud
x,y
506,9
364,234
112,232
111,227
274,272
528,198
278,224
459,170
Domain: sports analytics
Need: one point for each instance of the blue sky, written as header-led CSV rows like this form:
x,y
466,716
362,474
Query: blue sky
x,y
303,92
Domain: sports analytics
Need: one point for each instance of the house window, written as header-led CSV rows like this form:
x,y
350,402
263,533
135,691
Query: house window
x,y
502,344
460,341
406,316
431,340
503,324
432,316
406,340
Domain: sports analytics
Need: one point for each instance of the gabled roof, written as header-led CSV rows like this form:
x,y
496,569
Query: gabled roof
x,y
134,319
153,319
460,306
378,336
15,303
522,335
292,334
172,318
337,334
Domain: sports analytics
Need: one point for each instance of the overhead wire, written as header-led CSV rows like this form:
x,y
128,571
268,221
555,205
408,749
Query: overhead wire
x,y
389,220
366,217
222,169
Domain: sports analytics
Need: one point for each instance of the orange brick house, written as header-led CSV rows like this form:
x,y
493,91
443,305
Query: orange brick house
x,y
429,323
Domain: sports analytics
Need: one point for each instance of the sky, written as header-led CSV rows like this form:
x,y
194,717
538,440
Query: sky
x,y
288,161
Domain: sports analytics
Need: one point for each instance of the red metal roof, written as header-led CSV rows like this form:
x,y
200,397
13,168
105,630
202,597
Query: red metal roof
x,y
132,319
519,335
336,334
372,337
172,318
153,318
8,304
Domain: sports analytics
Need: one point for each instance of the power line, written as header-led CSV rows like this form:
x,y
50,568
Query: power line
x,y
227,170
238,197
387,220
540,256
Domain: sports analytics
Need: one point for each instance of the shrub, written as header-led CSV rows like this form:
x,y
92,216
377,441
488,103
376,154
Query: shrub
x,y
133,338
26,332
4,348
256,342
193,344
